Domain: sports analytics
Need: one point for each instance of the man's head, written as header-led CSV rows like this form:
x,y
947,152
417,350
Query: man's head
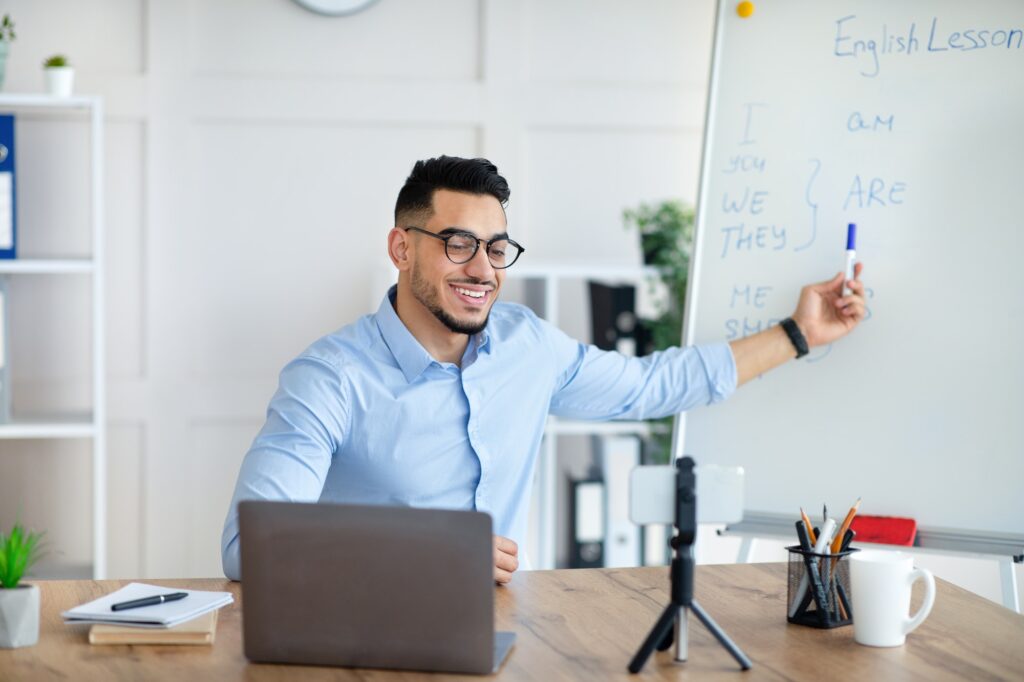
x,y
449,198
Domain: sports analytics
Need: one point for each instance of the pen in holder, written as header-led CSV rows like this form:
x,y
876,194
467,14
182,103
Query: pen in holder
x,y
819,588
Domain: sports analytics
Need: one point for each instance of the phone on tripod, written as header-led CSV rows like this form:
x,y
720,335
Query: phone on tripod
x,y
652,494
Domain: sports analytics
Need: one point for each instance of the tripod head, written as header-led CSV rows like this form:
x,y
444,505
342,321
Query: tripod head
x,y
686,503
686,532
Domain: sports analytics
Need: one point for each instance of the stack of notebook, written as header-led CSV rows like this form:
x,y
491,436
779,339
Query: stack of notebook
x,y
191,620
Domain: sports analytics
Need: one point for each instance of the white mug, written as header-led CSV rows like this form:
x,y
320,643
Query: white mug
x,y
880,585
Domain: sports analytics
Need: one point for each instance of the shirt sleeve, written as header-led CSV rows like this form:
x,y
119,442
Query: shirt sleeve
x,y
291,455
599,384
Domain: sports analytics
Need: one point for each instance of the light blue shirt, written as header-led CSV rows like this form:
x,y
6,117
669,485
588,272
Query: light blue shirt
x,y
366,416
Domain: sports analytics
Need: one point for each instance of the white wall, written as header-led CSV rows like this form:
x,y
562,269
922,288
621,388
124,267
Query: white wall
x,y
254,151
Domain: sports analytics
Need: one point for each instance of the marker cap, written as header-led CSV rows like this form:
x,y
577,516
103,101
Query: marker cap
x,y
851,237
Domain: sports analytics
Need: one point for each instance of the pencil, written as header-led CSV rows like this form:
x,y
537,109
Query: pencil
x,y
807,524
837,542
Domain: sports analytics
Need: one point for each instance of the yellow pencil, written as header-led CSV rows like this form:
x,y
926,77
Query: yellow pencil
x,y
837,542
810,528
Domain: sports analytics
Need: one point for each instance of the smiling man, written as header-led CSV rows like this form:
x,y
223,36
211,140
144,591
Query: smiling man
x,y
439,399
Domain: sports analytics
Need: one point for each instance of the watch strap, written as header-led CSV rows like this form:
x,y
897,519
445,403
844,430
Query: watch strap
x,y
796,337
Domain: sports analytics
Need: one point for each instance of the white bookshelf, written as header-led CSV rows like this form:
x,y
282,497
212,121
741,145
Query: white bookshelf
x,y
92,425
551,276
41,266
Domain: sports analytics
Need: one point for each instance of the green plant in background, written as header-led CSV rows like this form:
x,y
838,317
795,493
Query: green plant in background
x,y
6,38
57,60
19,551
7,29
666,238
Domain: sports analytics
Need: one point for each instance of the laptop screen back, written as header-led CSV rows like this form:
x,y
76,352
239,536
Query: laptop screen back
x,y
367,586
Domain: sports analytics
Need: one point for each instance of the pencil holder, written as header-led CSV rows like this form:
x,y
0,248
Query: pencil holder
x,y
819,588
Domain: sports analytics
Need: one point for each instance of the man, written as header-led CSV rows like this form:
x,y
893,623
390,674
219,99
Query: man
x,y
439,399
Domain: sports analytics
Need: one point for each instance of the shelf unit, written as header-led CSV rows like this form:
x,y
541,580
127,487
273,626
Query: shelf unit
x,y
550,275
92,425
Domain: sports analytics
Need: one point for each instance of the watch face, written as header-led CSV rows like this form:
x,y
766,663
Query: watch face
x,y
335,8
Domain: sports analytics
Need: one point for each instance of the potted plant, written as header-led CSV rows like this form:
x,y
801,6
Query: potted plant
x,y
6,37
60,76
19,603
666,238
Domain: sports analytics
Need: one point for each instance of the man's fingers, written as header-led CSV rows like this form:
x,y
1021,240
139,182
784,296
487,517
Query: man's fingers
x,y
506,545
505,562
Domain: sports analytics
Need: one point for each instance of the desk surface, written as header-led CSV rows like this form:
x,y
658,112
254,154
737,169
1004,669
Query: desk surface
x,y
576,625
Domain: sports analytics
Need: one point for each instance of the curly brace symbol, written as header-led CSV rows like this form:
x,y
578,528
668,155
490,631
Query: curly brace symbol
x,y
814,207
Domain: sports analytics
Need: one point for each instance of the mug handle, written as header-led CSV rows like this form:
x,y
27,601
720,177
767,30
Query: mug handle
x,y
929,599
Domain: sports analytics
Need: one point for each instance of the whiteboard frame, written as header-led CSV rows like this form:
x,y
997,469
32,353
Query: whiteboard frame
x,y
945,540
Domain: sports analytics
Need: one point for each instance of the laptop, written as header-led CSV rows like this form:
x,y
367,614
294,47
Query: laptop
x,y
369,587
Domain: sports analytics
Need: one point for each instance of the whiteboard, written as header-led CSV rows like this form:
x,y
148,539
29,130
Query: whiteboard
x,y
907,119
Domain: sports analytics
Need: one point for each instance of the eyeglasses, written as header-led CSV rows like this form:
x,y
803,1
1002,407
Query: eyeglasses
x,y
461,247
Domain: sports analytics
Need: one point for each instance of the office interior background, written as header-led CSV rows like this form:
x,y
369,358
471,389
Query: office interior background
x,y
252,154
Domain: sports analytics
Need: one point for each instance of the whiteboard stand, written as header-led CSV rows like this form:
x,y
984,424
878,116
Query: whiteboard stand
x,y
1005,548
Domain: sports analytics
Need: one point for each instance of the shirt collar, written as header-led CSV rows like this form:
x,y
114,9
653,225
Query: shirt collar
x,y
412,357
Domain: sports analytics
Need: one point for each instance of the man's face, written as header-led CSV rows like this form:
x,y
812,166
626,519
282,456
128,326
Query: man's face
x,y
459,296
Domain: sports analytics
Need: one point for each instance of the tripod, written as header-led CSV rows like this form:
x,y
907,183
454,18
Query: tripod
x,y
675,614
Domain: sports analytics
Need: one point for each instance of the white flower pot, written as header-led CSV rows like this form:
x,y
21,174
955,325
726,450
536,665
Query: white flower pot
x,y
60,80
19,616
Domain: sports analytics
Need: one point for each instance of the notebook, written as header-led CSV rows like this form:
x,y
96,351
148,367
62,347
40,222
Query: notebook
x,y
164,615
199,630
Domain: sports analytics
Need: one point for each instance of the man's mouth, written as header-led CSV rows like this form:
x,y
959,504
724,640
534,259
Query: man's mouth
x,y
470,294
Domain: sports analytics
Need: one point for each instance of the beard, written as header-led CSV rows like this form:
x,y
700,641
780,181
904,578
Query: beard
x,y
430,298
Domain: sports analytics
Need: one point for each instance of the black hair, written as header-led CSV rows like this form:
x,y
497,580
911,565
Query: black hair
x,y
473,176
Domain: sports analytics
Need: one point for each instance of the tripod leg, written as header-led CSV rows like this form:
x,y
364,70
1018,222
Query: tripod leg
x,y
666,642
720,635
656,636
682,634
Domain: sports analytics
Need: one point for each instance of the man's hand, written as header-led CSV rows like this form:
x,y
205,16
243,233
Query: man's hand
x,y
824,314
506,559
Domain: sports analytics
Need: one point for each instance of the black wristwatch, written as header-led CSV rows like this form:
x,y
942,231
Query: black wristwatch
x,y
796,337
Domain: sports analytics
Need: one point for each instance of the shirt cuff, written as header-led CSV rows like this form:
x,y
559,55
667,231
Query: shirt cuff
x,y
720,366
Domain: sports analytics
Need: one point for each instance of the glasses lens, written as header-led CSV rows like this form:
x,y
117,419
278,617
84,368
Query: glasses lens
x,y
502,253
461,248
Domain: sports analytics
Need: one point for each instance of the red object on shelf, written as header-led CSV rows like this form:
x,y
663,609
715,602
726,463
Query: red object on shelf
x,y
884,530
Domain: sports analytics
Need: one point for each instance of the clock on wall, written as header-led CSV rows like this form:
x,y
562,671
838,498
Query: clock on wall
x,y
335,8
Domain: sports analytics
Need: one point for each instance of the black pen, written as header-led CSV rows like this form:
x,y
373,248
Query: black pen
x,y
148,601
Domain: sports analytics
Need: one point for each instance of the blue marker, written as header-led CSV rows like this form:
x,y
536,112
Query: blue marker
x,y
851,255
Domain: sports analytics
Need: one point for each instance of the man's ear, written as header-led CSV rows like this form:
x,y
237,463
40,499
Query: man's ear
x,y
398,248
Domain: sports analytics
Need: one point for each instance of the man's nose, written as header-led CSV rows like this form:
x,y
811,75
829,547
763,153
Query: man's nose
x,y
479,265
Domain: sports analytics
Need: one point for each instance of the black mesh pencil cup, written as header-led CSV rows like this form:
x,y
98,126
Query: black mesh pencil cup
x,y
819,588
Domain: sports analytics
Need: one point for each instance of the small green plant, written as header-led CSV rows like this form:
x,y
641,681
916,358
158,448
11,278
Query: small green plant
x,y
7,29
55,61
19,551
666,238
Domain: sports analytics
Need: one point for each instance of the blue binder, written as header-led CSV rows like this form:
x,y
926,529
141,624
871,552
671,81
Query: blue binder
x,y
8,227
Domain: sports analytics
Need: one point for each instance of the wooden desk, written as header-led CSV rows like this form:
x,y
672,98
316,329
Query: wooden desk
x,y
578,625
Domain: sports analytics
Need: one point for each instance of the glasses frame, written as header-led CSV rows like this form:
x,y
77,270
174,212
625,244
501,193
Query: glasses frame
x,y
477,241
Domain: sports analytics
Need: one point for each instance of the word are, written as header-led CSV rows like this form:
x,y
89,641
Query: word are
x,y
741,238
874,193
866,51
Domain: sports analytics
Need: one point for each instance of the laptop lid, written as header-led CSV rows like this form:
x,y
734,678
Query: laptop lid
x,y
367,586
